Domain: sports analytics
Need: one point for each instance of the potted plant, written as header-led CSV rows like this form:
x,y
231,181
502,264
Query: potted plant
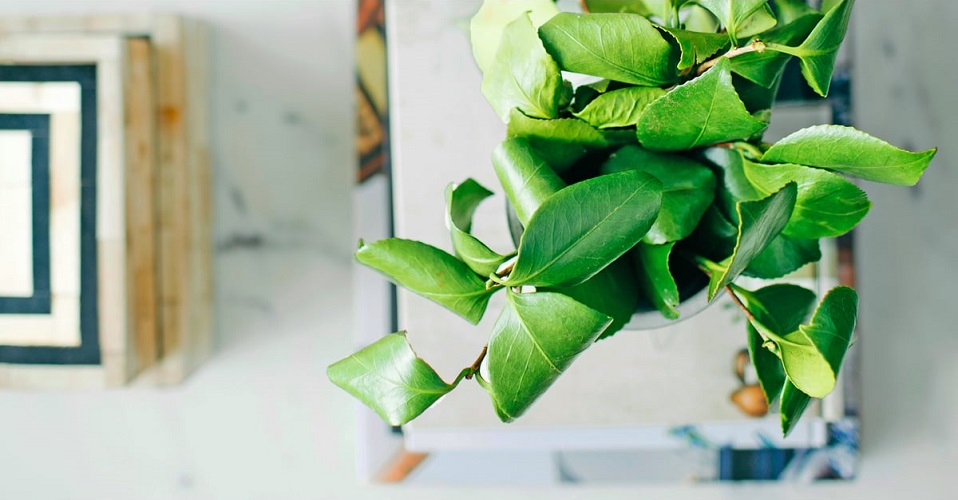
x,y
643,185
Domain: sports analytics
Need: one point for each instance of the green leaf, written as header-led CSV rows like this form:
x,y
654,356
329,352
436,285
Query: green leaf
x,y
619,108
487,26
766,68
526,177
714,237
388,377
790,10
851,152
524,76
793,405
461,204
696,47
820,48
612,292
813,354
562,142
783,255
536,338
710,109
760,222
734,184
768,368
688,188
430,272
621,47
619,6
585,227
655,279
741,18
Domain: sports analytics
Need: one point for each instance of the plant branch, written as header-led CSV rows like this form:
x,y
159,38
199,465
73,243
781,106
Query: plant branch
x,y
585,6
756,46
474,368
741,305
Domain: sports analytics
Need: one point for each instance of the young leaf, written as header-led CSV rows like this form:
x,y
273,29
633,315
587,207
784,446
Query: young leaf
x,y
622,47
612,292
765,68
526,177
430,272
813,354
793,405
655,279
760,222
688,188
524,76
536,338
619,108
388,377
696,47
783,255
564,141
710,109
819,50
461,204
487,25
741,18
851,152
585,227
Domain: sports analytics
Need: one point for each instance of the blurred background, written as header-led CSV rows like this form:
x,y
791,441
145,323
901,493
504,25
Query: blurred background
x,y
260,420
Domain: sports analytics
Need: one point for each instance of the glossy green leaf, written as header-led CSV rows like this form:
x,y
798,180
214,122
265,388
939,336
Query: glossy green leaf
x,y
820,48
696,46
430,272
851,152
526,177
612,292
766,68
619,108
621,47
710,109
688,188
524,76
655,279
783,255
793,405
760,222
741,18
388,377
790,10
487,26
812,355
461,203
585,227
536,338
562,142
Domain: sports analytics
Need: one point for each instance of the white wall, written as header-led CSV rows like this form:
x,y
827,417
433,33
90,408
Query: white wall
x,y
260,420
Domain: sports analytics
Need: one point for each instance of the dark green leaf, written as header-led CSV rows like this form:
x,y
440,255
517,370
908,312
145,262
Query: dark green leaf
x,y
820,48
782,256
524,76
621,47
526,177
487,25
461,204
619,6
768,367
813,354
790,10
765,68
714,237
564,141
536,338
655,279
760,222
430,272
851,152
734,184
585,227
696,47
793,405
388,377
710,109
741,18
619,108
612,292
688,188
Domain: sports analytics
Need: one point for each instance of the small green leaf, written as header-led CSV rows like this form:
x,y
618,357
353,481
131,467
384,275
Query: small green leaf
x,y
622,47
793,405
688,188
524,76
813,354
536,338
619,108
461,204
790,10
655,279
783,255
585,227
388,377
710,109
766,68
741,18
562,142
760,222
612,292
430,272
696,47
851,152
490,21
820,48
526,177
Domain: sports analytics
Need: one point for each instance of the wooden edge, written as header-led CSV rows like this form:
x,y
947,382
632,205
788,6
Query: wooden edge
x,y
52,377
399,467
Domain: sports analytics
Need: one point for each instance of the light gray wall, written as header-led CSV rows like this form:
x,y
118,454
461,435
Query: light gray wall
x,y
260,421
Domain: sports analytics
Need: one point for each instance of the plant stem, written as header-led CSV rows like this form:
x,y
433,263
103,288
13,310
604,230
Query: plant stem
x,y
474,368
756,46
741,305
585,6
